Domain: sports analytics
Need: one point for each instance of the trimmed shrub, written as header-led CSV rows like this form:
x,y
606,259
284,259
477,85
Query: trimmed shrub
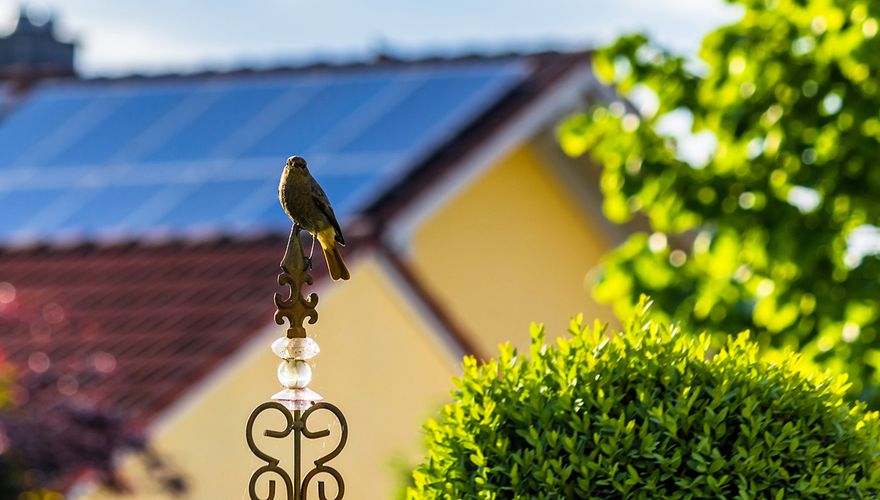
x,y
649,412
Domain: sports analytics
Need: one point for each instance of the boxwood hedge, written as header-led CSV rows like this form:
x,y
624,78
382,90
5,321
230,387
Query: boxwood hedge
x,y
648,412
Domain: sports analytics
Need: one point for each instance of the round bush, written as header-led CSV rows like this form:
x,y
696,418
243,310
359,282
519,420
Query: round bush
x,y
649,412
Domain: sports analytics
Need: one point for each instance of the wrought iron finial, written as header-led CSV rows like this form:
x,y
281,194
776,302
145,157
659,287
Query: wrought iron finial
x,y
294,274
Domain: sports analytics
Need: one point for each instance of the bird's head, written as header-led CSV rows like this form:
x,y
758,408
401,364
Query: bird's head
x,y
297,163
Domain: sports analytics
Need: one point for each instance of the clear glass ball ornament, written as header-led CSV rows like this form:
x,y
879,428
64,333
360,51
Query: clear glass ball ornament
x,y
294,374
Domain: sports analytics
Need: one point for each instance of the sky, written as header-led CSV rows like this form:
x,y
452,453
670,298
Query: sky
x,y
120,37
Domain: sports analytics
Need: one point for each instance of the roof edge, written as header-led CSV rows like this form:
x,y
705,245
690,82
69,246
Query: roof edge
x,y
377,62
450,333
399,214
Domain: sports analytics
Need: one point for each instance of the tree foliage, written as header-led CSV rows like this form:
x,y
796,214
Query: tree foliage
x,y
762,213
58,427
50,442
648,413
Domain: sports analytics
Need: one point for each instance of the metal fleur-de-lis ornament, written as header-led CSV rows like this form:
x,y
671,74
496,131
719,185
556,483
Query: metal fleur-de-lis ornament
x,y
294,274
295,401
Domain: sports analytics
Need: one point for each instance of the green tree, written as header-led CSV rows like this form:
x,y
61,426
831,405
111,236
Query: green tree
x,y
648,413
767,230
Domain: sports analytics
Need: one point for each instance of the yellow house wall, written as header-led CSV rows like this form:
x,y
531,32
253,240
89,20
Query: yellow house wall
x,y
513,247
378,363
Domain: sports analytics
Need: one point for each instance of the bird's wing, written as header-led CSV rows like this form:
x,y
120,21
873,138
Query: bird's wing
x,y
323,204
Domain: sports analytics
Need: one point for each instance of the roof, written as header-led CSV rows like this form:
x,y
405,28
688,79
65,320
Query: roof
x,y
89,313
89,308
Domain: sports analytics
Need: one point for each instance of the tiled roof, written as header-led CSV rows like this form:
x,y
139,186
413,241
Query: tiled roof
x,y
133,326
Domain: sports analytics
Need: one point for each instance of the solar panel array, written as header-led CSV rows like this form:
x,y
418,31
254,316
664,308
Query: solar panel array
x,y
126,158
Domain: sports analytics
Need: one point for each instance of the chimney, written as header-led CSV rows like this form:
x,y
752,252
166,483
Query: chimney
x,y
33,51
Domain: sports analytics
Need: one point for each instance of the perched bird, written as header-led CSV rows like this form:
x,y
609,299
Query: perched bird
x,y
308,206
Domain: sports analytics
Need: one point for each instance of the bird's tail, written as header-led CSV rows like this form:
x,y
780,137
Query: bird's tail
x,y
335,264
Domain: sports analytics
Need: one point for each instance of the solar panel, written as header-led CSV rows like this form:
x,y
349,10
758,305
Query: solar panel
x,y
208,203
35,121
107,209
413,118
316,119
124,118
19,207
231,110
133,157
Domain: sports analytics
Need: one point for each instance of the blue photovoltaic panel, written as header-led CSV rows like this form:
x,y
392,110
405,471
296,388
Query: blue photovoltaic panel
x,y
140,156
129,117
108,208
209,203
17,208
316,119
26,127
432,102
202,137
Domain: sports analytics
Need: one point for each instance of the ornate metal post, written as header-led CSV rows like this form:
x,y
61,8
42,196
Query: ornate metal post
x,y
296,402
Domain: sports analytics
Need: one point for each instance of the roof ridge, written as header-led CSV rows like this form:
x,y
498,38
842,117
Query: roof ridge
x,y
373,62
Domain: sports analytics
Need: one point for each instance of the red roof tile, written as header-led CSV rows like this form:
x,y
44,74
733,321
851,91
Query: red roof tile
x,y
134,325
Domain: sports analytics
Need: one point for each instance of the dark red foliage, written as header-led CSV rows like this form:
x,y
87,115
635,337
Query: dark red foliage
x,y
53,440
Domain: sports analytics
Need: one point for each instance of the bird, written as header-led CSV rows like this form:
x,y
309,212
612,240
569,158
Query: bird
x,y
307,206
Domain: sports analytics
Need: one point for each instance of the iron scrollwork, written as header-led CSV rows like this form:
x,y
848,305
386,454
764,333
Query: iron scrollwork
x,y
295,274
296,422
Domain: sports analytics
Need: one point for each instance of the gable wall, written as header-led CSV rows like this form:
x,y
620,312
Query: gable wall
x,y
513,247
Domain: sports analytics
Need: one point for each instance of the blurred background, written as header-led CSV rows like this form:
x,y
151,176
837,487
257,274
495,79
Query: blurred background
x,y
166,36
140,233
